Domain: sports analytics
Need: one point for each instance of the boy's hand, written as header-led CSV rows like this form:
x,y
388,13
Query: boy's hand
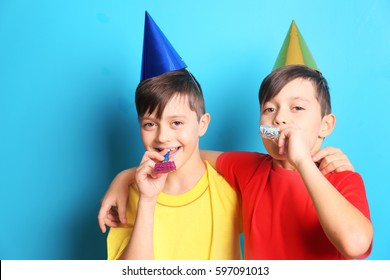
x,y
113,205
149,183
332,160
294,145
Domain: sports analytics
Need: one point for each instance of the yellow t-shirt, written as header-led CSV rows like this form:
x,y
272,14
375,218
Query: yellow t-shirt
x,y
203,223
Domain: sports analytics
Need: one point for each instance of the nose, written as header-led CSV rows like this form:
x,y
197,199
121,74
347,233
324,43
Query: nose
x,y
164,134
280,118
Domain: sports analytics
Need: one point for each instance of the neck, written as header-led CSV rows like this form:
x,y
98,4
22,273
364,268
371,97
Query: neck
x,y
185,178
284,164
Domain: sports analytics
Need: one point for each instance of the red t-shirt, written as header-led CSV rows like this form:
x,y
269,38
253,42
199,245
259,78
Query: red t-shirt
x,y
279,218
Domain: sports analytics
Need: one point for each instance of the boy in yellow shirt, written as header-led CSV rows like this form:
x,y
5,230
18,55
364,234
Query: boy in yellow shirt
x,y
191,213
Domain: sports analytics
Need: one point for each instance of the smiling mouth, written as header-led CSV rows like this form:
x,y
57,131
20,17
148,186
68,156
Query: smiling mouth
x,y
171,150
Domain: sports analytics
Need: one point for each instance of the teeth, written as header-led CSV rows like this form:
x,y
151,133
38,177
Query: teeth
x,y
170,149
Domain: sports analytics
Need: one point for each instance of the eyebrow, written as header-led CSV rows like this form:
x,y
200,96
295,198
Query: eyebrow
x,y
177,117
292,98
300,98
169,117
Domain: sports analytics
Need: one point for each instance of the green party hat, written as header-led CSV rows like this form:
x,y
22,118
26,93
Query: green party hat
x,y
294,50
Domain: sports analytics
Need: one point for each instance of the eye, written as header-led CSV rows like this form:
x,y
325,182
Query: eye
x,y
177,123
269,110
148,125
298,108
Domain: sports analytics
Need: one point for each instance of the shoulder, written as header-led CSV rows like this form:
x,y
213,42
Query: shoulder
x,y
243,158
349,184
219,185
213,174
243,154
345,178
239,168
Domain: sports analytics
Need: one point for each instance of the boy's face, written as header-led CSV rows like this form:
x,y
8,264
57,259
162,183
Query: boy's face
x,y
295,106
178,130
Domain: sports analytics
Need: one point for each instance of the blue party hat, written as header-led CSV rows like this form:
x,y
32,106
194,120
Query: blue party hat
x,y
158,55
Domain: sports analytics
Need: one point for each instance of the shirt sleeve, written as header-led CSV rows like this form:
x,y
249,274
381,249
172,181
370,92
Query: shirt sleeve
x,y
117,240
239,168
351,186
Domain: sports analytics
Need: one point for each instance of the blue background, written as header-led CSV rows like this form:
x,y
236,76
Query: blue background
x,y
68,71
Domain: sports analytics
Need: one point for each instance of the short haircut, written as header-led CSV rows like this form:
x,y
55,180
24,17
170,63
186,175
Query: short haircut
x,y
278,78
154,94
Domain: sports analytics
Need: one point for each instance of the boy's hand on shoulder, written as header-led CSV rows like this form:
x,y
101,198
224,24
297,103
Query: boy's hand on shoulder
x,y
149,183
113,205
332,159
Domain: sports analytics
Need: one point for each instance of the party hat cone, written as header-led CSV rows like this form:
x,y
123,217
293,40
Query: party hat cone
x,y
158,55
294,50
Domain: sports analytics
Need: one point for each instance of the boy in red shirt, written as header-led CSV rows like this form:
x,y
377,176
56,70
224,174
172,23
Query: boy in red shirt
x,y
290,209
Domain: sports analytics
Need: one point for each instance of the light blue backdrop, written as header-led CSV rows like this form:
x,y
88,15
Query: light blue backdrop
x,y
68,71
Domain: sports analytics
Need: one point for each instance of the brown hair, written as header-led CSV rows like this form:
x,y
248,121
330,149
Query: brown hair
x,y
155,93
278,78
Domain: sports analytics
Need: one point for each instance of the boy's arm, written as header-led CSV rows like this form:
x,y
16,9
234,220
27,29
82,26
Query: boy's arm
x,y
344,225
117,193
140,246
150,185
116,196
210,156
331,160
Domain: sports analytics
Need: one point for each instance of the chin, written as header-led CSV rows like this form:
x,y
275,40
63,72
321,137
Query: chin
x,y
273,150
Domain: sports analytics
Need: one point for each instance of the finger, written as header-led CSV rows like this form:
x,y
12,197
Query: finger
x,y
325,169
112,218
346,167
336,167
155,175
113,211
103,212
329,163
145,171
325,157
327,151
325,161
111,223
335,164
282,143
102,225
332,162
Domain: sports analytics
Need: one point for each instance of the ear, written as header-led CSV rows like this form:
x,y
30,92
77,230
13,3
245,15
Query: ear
x,y
327,126
204,124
